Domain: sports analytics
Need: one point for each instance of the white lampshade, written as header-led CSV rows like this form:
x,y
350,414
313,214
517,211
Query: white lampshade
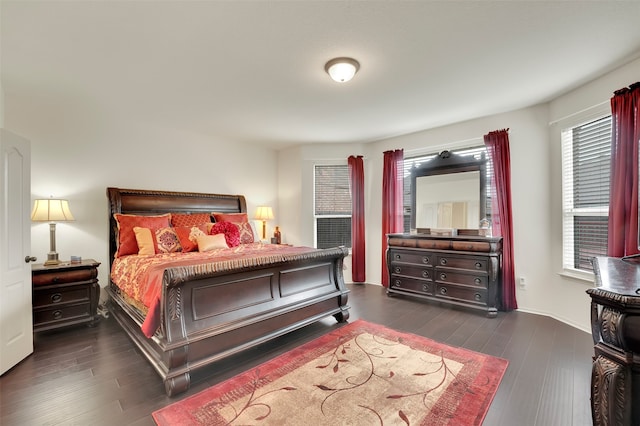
x,y
342,70
264,213
51,210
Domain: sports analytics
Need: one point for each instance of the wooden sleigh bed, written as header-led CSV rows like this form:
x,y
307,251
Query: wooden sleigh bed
x,y
206,314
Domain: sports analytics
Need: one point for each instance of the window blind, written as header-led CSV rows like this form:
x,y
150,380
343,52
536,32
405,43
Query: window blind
x,y
586,162
332,206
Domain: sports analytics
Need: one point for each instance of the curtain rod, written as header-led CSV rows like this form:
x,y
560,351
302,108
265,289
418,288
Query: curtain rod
x,y
445,145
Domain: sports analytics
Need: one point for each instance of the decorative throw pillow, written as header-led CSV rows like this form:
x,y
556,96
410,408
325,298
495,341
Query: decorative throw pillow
x,y
145,240
127,243
231,217
230,231
246,232
181,219
163,240
188,236
167,241
211,242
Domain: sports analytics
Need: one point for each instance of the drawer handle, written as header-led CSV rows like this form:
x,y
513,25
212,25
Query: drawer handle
x,y
425,274
478,265
425,288
478,297
443,290
55,279
443,261
398,257
478,281
425,259
56,297
396,283
397,270
57,314
443,276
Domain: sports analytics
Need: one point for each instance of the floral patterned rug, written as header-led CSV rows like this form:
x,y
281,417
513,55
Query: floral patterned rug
x,y
358,374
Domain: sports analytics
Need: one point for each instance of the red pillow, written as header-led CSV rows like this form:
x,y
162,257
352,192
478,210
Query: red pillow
x,y
230,231
127,243
180,219
231,217
188,236
246,232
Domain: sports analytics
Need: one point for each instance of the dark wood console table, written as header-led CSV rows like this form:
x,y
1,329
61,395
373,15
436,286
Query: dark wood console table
x,y
615,325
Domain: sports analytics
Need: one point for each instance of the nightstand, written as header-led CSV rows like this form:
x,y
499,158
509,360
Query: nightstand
x,y
65,294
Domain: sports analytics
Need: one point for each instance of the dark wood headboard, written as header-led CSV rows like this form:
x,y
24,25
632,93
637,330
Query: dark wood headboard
x,y
143,202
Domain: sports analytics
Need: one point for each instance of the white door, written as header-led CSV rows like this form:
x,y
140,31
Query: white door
x,y
16,322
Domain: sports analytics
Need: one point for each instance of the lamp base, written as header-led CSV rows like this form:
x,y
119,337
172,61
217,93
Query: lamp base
x,y
52,259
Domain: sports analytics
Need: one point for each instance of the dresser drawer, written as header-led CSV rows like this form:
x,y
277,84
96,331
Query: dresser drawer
x,y
469,295
470,263
411,257
61,295
415,271
61,276
470,279
411,285
62,313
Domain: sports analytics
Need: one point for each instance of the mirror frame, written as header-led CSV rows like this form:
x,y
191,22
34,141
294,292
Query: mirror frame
x,y
446,163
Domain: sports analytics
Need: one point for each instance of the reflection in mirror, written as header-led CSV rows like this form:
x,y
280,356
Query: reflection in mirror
x,y
448,191
448,201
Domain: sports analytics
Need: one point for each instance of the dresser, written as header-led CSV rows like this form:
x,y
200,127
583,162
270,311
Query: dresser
x,y
65,294
615,325
458,270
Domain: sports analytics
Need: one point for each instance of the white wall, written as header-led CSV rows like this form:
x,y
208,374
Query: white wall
x,y
76,154
536,183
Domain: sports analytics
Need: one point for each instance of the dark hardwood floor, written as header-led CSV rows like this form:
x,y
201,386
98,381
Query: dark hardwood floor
x,y
96,376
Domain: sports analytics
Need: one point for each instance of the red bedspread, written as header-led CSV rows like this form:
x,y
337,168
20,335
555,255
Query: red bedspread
x,y
140,277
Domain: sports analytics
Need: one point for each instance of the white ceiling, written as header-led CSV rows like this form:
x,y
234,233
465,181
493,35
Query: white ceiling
x,y
254,70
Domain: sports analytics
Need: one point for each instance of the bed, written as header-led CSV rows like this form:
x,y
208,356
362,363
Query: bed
x,y
214,309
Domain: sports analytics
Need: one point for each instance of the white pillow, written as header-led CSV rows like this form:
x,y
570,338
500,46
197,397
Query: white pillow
x,y
211,242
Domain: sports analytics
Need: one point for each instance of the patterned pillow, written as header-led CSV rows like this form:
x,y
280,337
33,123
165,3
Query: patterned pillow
x,y
246,232
231,217
188,236
180,219
167,241
230,231
126,240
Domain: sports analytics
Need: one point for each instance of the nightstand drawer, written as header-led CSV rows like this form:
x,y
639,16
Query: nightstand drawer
x,y
61,295
62,313
59,277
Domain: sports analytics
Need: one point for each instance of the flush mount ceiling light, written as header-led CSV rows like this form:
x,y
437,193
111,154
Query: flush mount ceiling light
x,y
342,69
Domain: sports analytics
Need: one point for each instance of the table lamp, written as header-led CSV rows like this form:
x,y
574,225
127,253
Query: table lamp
x,y
51,210
264,214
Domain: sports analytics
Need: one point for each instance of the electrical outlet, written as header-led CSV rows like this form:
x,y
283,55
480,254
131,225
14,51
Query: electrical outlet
x,y
522,282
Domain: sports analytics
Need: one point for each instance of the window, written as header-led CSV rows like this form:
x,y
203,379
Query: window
x,y
586,160
409,163
332,208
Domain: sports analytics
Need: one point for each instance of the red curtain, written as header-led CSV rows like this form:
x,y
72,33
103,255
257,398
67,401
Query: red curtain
x,y
623,191
356,181
497,143
392,188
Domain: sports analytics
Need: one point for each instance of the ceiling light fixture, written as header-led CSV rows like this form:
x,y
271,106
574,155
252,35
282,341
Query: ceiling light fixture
x,y
342,69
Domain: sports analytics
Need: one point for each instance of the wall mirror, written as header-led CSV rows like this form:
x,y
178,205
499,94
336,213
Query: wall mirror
x,y
449,191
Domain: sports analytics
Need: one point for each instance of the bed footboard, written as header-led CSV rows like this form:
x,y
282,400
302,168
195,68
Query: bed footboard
x,y
207,318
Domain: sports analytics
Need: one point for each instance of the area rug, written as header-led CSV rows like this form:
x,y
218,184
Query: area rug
x,y
358,374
